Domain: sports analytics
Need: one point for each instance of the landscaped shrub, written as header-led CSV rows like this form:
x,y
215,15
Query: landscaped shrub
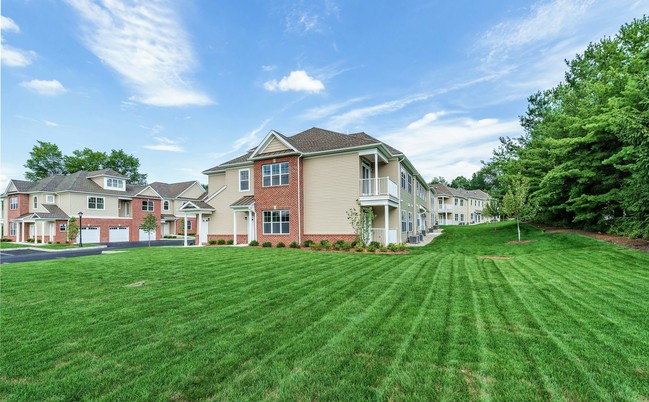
x,y
230,242
402,247
6,239
359,248
355,242
58,242
324,242
267,244
211,242
308,243
371,248
280,245
294,245
253,243
30,240
384,249
393,247
220,241
375,244
346,246
316,246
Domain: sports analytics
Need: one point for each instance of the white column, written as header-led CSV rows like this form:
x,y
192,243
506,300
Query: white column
x,y
386,210
185,229
35,232
234,216
22,231
200,228
43,232
376,174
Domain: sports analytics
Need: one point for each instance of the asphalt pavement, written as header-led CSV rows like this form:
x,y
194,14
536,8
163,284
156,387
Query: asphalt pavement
x,y
27,255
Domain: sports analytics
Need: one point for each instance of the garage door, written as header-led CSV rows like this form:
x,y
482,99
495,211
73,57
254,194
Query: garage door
x,y
118,233
90,234
144,236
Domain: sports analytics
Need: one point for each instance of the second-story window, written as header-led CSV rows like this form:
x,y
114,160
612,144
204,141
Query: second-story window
x,y
13,203
403,180
50,199
403,221
35,202
115,183
409,183
244,180
456,201
461,203
95,202
147,205
275,174
165,205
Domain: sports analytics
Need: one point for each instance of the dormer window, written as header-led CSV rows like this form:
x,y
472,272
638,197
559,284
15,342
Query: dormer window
x,y
115,184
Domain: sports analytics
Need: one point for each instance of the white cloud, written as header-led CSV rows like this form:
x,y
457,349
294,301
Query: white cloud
x,y
50,123
428,118
246,141
450,147
165,144
146,45
45,87
8,25
301,21
355,116
546,21
155,129
327,110
296,81
268,68
11,56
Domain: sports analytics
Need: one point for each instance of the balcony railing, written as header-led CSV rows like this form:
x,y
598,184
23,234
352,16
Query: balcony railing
x,y
445,207
381,186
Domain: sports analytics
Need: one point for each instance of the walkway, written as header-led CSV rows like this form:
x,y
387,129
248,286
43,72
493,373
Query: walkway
x,y
427,239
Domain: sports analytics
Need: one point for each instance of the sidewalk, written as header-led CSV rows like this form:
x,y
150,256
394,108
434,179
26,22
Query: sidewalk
x,y
427,239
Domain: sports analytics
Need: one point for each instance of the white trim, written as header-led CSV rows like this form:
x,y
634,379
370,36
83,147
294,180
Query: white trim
x,y
249,180
279,211
190,186
15,197
264,143
148,200
96,198
35,202
47,200
168,203
288,174
141,191
219,191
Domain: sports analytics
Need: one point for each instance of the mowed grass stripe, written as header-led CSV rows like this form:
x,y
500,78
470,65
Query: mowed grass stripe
x,y
591,344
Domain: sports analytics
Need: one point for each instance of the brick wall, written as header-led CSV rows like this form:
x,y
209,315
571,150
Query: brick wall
x,y
181,230
279,198
23,208
105,224
139,215
241,239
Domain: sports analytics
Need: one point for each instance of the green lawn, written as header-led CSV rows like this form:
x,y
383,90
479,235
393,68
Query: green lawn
x,y
565,318
8,245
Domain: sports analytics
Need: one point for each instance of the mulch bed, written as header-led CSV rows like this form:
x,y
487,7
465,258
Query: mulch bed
x,y
636,244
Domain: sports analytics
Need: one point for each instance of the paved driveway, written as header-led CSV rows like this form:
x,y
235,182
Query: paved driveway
x,y
27,255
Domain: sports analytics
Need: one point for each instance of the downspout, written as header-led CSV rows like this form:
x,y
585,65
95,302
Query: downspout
x,y
399,210
299,202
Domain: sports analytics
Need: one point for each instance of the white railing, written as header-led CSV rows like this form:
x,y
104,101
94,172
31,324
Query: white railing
x,y
380,186
445,207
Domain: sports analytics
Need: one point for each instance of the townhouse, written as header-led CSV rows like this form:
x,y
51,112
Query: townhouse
x,y
457,206
111,209
300,187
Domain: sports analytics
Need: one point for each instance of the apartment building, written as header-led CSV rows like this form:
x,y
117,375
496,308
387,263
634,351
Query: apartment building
x,y
457,206
300,187
111,208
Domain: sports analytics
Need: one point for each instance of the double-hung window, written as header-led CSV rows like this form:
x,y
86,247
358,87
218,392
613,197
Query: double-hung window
x,y
63,227
456,201
35,202
275,174
165,205
12,228
409,183
147,205
403,179
461,203
95,202
13,203
409,221
244,179
276,222
403,221
115,183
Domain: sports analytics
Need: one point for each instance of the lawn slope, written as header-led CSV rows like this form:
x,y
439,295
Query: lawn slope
x,y
561,317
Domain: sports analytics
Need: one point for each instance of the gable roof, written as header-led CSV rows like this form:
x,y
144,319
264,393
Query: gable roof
x,y
312,141
106,172
171,190
441,189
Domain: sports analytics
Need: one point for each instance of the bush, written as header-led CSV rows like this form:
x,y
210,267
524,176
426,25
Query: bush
x,y
294,245
375,244
230,242
393,247
308,243
402,247
5,239
58,242
384,249
267,244
359,248
211,242
371,248
316,246
220,241
325,244
339,243
253,243
280,245
355,242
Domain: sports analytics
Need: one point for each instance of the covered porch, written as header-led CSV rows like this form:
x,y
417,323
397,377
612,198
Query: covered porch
x,y
42,227
244,205
201,211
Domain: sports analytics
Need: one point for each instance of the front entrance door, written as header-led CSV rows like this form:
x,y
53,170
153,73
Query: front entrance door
x,y
204,226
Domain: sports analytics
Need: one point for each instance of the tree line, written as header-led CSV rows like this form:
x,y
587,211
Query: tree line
x,y
584,155
46,159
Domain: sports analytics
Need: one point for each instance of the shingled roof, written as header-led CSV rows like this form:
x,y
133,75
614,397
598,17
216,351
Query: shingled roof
x,y
314,140
441,189
171,190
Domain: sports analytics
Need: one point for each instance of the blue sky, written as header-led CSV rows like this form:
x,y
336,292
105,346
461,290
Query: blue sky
x,y
186,85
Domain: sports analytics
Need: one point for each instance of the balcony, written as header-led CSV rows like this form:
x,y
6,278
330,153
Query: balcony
x,y
445,207
378,191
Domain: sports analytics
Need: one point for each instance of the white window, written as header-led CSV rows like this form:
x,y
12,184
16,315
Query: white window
x,y
189,224
275,174
35,202
276,222
461,203
49,198
147,205
456,201
404,225
456,217
13,203
165,205
403,179
409,183
244,179
409,221
63,227
461,217
114,183
95,202
13,228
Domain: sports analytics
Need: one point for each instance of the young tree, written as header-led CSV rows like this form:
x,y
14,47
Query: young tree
x,y
149,224
72,229
361,219
491,209
515,201
45,159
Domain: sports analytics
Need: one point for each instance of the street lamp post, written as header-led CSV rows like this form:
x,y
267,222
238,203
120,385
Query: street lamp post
x,y
80,231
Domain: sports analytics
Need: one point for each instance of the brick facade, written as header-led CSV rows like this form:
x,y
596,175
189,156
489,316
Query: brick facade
x,y
23,208
276,198
241,239
181,230
138,216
